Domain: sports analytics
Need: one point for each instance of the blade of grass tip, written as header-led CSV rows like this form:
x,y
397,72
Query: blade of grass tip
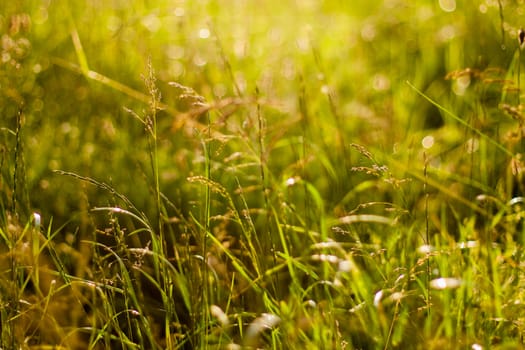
x,y
284,245
461,121
104,80
77,43
35,246
502,24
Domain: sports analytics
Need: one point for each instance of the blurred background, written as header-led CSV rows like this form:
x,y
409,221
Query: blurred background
x,y
334,70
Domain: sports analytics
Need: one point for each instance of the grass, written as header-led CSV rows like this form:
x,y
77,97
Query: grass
x,y
203,176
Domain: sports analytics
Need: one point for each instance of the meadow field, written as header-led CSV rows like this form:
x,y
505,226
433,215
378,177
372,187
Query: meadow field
x,y
241,174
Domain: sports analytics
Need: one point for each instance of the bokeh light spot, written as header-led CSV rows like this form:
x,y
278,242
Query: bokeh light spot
x,y
428,141
204,33
447,5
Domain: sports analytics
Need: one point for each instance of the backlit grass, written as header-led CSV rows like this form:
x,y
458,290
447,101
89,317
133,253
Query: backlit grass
x,y
339,175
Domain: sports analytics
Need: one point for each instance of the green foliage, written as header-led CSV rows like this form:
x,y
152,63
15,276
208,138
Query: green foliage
x,y
294,174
